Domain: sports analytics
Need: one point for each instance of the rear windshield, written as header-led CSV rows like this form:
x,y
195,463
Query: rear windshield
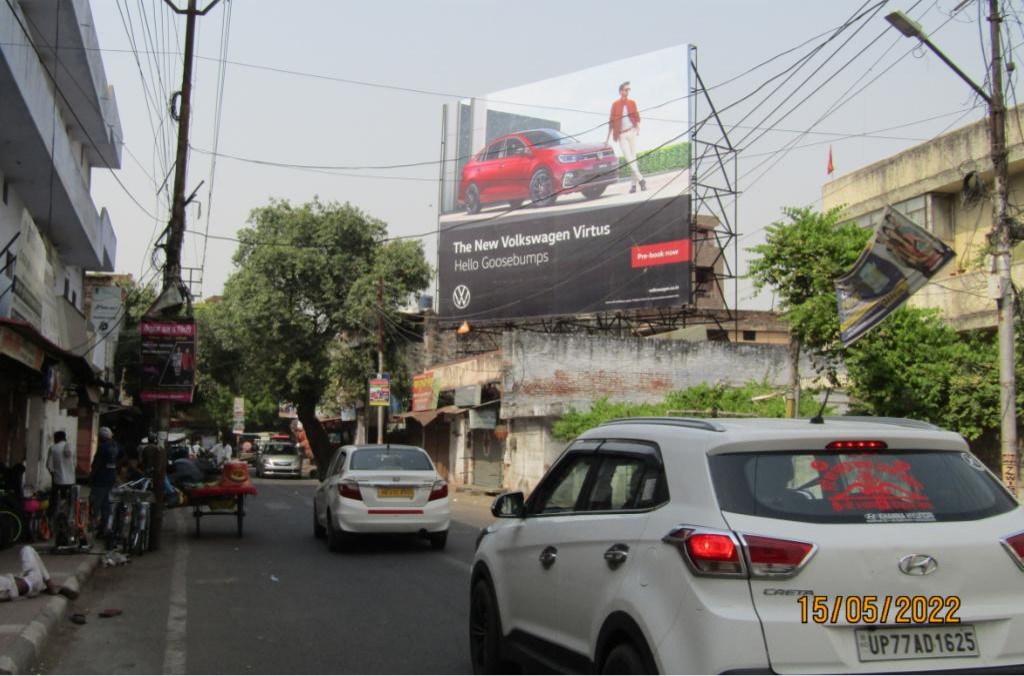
x,y
390,459
878,487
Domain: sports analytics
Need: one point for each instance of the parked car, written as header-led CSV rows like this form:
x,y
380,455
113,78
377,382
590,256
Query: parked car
x,y
280,458
381,489
536,165
679,545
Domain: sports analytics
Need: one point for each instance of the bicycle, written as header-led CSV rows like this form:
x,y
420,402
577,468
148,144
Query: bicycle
x,y
128,523
71,522
11,521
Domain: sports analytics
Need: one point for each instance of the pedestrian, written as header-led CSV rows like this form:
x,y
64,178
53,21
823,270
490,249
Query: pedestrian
x,y
103,476
33,580
624,127
221,451
61,464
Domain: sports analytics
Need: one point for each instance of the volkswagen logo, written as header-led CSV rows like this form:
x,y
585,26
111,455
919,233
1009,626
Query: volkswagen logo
x,y
461,296
918,564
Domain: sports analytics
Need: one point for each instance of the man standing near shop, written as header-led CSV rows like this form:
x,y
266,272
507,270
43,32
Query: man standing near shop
x,y
61,463
624,127
104,476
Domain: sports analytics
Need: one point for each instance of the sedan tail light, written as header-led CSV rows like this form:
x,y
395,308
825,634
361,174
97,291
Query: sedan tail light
x,y
439,490
350,489
1014,546
720,553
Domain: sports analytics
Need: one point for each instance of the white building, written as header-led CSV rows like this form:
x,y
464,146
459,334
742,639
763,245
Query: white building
x,y
58,122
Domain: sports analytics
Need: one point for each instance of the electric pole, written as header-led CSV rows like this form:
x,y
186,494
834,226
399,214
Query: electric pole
x,y
380,356
1001,240
173,294
1001,237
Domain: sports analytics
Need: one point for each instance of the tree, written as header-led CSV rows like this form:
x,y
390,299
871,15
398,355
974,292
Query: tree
x,y
308,276
800,259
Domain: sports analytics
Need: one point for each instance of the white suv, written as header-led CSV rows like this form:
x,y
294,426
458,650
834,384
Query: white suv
x,y
679,545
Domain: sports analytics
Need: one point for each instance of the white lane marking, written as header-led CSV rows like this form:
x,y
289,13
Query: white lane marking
x,y
462,565
175,648
277,506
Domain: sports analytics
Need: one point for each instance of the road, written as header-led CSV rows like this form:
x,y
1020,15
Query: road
x,y
276,600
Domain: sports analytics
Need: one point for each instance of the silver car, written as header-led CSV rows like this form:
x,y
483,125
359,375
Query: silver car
x,y
280,458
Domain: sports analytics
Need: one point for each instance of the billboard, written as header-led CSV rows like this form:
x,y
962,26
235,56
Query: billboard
x,y
899,260
569,195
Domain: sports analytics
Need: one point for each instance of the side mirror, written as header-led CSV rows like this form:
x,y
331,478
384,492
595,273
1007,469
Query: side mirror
x,y
509,506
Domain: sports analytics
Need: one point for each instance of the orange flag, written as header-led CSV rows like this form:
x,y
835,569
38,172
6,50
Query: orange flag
x,y
831,167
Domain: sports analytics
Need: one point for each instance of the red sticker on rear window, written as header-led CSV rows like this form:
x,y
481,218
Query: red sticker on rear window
x,y
869,484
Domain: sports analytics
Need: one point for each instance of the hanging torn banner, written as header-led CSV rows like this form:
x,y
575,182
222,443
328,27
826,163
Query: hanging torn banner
x,y
899,260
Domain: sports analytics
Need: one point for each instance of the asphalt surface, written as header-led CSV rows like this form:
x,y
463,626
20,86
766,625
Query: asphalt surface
x,y
276,600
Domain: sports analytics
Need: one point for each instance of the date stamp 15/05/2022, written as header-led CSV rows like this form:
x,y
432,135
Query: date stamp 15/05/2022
x,y
886,609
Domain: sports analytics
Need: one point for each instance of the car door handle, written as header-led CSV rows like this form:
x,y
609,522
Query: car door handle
x,y
548,557
616,555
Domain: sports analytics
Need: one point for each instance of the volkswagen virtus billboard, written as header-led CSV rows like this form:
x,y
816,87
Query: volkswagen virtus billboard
x,y
569,195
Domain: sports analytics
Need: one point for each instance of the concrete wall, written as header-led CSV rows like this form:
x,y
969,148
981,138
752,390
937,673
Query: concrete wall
x,y
544,375
547,374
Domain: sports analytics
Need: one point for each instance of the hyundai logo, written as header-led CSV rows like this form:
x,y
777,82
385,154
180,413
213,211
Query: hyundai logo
x,y
918,564
461,296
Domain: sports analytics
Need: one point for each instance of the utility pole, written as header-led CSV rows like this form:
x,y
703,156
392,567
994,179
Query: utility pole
x,y
1001,237
1001,240
172,285
380,355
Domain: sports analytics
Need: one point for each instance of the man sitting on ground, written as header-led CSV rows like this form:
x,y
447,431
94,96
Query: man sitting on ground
x,y
34,578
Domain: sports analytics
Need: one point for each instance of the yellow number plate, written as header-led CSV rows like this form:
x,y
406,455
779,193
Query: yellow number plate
x,y
395,493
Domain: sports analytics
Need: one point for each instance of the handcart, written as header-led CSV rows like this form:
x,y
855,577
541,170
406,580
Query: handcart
x,y
226,497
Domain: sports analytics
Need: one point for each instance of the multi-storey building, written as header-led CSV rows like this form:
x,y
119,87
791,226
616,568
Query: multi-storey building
x,y
58,122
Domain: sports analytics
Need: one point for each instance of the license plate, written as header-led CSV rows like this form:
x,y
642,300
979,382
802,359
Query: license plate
x,y
395,493
604,165
916,643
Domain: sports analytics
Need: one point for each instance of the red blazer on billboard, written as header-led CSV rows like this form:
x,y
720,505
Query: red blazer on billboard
x,y
620,108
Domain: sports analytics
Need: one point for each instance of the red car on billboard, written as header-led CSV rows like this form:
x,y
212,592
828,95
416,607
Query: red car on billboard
x,y
536,165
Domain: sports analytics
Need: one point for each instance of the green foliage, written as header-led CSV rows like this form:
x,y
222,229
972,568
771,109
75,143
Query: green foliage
x,y
800,260
305,303
914,365
752,399
668,158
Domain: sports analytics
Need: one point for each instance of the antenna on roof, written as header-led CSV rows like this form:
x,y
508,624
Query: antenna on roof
x,y
818,420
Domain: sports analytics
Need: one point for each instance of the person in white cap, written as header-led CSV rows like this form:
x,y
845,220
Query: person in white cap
x,y
32,581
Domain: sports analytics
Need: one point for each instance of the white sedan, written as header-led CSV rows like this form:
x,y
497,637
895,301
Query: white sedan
x,y
380,488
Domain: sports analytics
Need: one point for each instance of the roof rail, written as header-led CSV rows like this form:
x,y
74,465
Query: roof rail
x,y
901,422
696,423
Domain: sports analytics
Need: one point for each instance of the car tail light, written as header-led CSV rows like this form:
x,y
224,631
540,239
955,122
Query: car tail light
x,y
857,445
708,552
772,557
1014,546
439,490
350,489
719,553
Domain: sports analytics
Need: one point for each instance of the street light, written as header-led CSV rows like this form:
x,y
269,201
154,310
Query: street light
x,y
1001,235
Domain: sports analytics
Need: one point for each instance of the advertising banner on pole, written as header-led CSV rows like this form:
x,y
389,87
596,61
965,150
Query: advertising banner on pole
x,y
238,416
380,392
425,390
899,260
168,360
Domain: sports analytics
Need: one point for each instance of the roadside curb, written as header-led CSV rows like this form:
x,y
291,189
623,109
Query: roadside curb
x,y
28,645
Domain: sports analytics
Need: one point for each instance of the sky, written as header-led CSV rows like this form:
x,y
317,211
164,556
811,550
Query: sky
x,y
332,88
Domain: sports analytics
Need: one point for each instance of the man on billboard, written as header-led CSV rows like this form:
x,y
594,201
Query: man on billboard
x,y
624,127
